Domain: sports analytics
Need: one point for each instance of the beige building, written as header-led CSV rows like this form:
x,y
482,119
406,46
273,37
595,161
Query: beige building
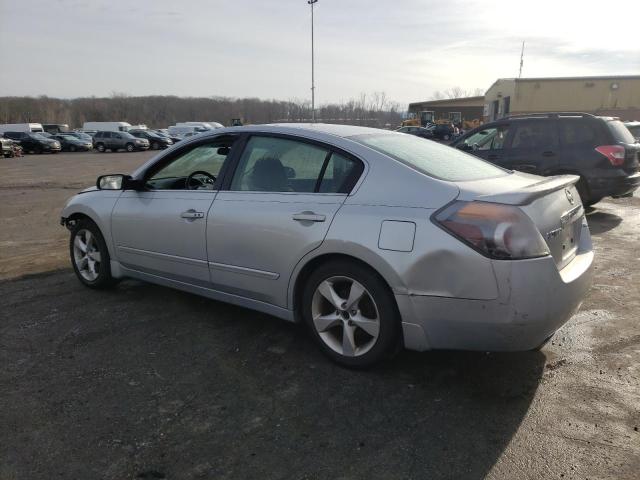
x,y
617,96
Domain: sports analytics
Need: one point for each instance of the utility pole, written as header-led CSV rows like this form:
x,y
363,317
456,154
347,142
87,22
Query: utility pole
x,y
313,86
521,59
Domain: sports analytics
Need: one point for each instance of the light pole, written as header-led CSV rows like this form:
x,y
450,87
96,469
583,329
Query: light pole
x,y
313,86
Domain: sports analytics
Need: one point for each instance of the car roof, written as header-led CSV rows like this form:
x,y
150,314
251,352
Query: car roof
x,y
337,130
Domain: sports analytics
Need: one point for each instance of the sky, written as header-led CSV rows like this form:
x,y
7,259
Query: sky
x,y
248,48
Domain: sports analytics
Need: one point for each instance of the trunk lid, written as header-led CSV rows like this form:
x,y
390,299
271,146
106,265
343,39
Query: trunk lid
x,y
552,203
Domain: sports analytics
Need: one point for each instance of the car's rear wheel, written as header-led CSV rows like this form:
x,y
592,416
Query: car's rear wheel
x,y
130,147
89,255
351,313
100,147
583,191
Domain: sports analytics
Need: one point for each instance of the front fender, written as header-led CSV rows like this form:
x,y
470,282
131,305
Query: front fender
x,y
97,205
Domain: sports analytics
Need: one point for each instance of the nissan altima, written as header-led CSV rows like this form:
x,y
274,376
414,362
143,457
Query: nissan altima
x,y
375,240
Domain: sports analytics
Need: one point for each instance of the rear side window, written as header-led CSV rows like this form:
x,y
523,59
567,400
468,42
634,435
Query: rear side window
x,y
271,164
620,132
341,172
491,138
536,134
579,133
431,158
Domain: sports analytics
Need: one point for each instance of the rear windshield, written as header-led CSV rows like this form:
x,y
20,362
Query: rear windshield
x,y
431,158
635,130
620,132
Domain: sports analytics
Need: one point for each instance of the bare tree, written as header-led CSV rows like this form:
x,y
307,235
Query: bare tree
x,y
159,111
457,92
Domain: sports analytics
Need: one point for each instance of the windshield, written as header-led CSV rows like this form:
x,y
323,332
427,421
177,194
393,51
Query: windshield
x,y
620,132
39,136
431,158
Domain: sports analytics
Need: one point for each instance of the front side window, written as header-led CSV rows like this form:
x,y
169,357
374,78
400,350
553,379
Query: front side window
x,y
430,158
270,164
196,169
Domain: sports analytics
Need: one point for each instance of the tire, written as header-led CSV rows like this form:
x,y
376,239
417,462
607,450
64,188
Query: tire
x,y
375,310
89,255
130,147
583,191
446,136
155,146
100,147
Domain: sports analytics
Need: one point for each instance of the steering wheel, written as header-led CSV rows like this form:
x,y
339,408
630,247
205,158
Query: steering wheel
x,y
209,180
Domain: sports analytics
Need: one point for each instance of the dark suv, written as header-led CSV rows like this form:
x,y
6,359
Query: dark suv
x,y
115,141
34,142
599,149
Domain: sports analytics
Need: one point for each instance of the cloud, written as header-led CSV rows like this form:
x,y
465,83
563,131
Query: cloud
x,y
408,49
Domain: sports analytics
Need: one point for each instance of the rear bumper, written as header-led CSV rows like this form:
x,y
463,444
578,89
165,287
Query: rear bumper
x,y
613,186
534,300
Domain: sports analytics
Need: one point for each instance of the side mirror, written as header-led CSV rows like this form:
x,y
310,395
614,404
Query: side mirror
x,y
117,182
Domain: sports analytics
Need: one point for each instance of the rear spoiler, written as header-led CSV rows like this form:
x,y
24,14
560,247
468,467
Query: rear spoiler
x,y
531,192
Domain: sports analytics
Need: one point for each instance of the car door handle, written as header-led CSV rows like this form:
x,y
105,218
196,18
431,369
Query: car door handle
x,y
309,217
192,214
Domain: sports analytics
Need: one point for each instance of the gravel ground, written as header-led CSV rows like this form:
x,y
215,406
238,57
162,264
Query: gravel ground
x,y
147,382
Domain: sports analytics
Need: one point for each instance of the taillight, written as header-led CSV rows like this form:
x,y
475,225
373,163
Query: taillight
x,y
614,153
499,231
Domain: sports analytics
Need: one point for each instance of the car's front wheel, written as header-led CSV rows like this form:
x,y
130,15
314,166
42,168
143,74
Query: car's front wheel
x,y
101,148
89,255
130,147
351,313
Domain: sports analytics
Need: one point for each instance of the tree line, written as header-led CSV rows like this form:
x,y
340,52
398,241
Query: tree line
x,y
160,111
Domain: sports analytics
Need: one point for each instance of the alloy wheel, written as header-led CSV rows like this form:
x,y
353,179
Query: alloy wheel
x,y
345,316
86,255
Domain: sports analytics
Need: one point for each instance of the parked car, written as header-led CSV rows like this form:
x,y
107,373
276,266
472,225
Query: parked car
x,y
80,135
165,133
600,150
34,142
180,130
70,143
634,128
115,141
6,147
417,131
156,141
374,239
442,132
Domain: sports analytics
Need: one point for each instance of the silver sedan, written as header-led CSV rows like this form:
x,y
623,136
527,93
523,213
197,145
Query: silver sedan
x,y
375,240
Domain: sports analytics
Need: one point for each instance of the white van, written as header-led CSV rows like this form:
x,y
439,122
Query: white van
x,y
106,126
21,127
